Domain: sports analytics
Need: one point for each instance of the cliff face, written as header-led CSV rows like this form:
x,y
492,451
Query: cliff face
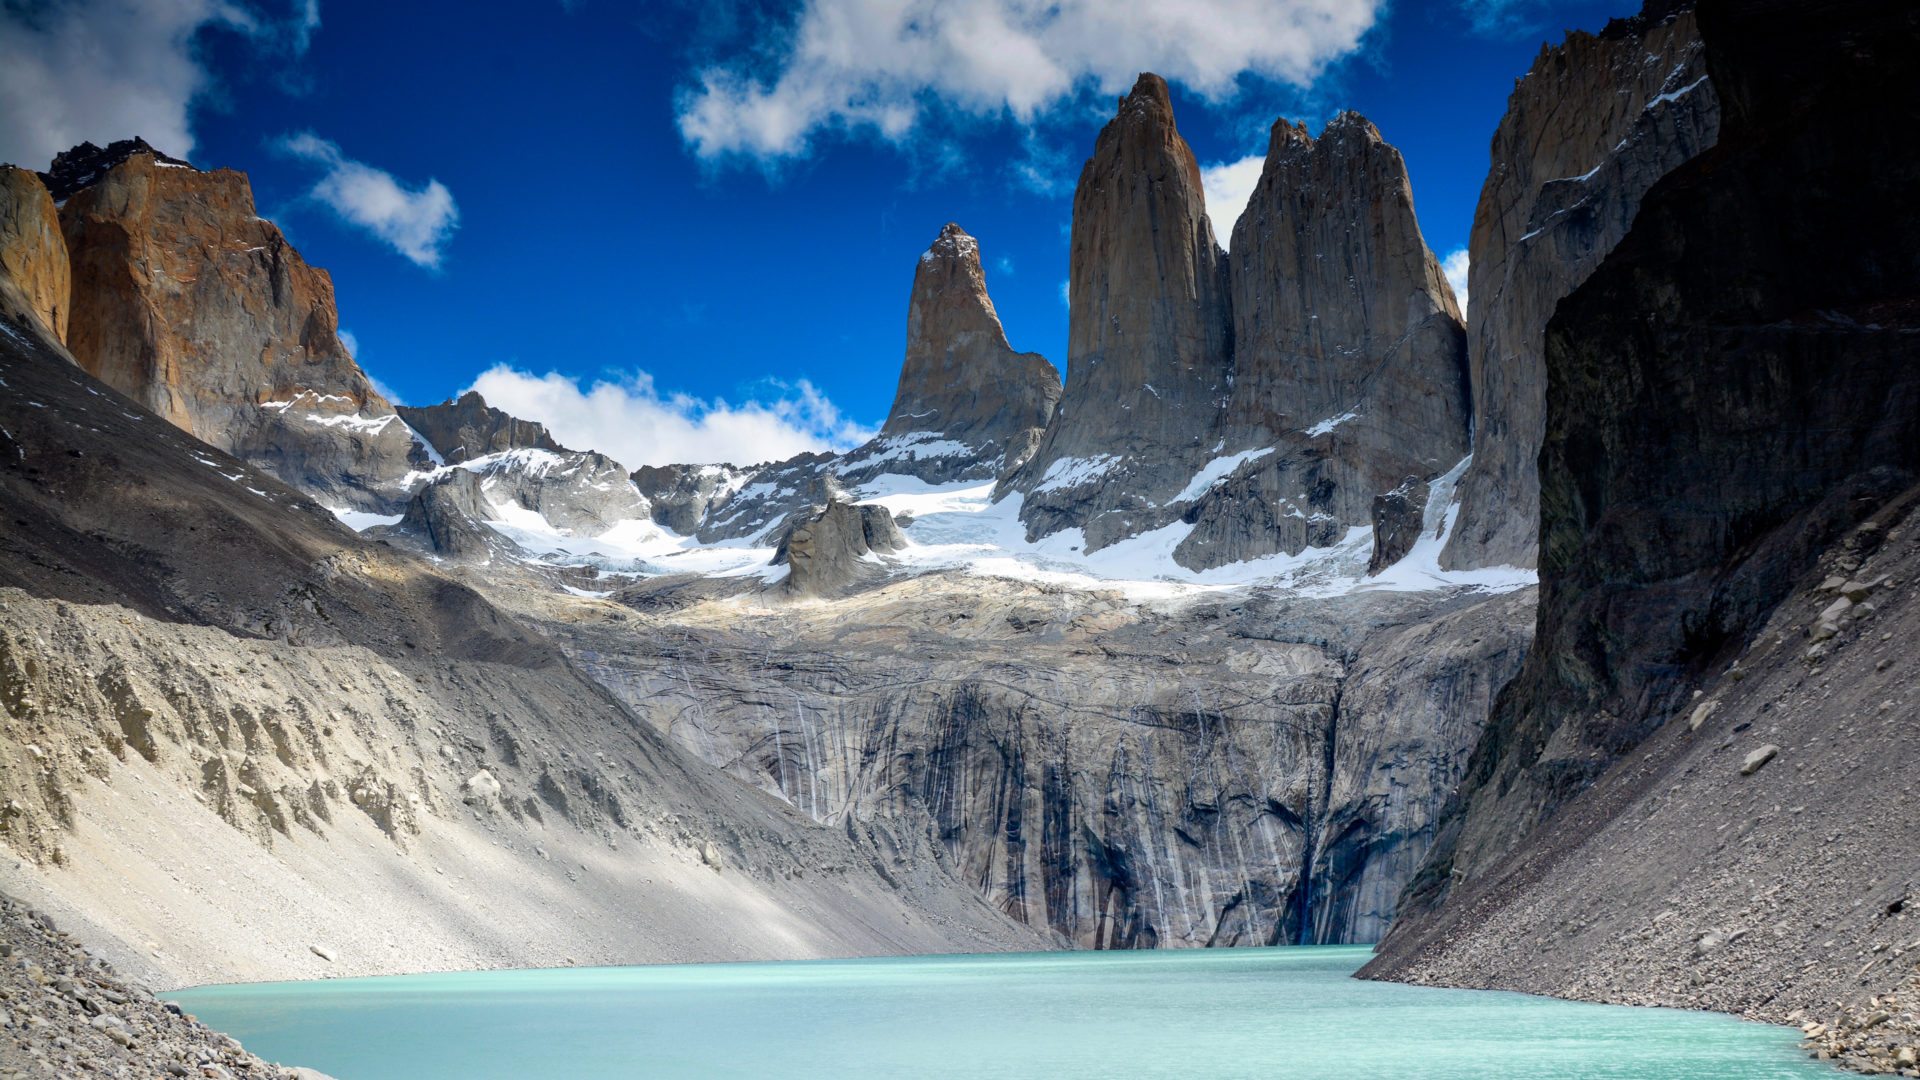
x,y
1729,396
963,391
33,253
1349,357
1149,335
1256,771
1597,120
468,428
188,302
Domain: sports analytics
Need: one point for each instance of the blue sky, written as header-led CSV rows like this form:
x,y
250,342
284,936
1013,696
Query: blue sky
x,y
715,209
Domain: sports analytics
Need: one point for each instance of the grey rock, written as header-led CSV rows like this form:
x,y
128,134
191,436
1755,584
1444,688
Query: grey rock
x,y
1149,335
468,428
1349,358
824,551
1397,519
1758,759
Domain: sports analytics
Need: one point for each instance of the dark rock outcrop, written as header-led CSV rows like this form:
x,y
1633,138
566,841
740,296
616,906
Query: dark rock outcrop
x,y
823,551
468,428
1731,392
185,300
1149,338
87,164
1349,358
1596,121
448,517
682,496
968,406
1397,518
33,253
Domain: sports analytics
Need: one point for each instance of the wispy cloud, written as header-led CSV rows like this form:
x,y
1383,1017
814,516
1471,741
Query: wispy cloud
x,y
1228,185
628,418
415,222
880,66
100,70
1455,267
1503,18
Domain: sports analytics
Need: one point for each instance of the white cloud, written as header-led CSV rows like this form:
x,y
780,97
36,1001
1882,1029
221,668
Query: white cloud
x,y
631,421
1228,186
879,65
1455,267
416,223
1066,292
99,70
352,343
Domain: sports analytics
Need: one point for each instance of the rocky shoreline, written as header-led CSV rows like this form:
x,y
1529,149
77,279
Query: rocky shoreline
x,y
66,1013
1881,1037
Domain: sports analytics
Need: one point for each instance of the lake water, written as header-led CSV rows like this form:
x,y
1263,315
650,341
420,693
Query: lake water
x,y
1268,1013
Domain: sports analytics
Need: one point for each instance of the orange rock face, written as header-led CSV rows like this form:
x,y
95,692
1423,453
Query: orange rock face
x,y
33,254
189,302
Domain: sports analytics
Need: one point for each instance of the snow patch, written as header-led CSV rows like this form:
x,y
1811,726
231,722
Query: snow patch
x,y
362,520
1067,473
1326,426
1217,470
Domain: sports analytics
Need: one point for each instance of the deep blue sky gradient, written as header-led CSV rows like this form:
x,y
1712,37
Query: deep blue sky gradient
x,y
592,241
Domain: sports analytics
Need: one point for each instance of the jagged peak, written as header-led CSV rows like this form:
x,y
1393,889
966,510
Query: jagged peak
x,y
83,165
953,242
1149,94
1289,134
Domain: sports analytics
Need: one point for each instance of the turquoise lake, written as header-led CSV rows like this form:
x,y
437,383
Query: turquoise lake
x,y
1270,1013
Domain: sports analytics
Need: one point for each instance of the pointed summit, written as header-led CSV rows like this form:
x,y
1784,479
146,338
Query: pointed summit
x,y
961,381
1150,336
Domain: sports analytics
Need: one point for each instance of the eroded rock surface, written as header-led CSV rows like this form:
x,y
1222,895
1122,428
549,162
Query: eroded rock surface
x,y
215,696
1253,771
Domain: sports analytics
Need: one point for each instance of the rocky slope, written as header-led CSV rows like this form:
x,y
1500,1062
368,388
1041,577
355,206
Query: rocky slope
x,y
1760,319
1349,360
1587,131
185,300
65,1012
231,731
